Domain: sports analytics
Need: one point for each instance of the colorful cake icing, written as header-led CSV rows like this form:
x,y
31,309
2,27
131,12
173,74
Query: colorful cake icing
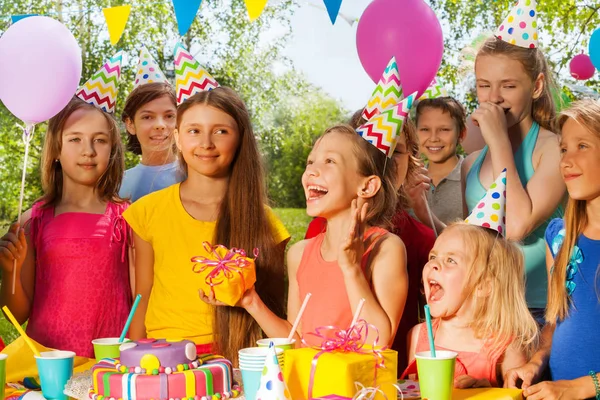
x,y
162,370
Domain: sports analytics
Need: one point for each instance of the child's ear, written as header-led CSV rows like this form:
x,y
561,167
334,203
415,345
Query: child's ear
x,y
130,126
176,135
462,135
538,86
369,187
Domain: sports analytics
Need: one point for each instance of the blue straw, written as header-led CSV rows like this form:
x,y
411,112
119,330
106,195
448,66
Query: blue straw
x,y
131,314
429,330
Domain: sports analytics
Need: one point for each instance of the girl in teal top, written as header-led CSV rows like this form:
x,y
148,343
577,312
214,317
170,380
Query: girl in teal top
x,y
516,117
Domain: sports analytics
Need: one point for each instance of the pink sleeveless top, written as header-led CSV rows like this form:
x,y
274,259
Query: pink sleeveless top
x,y
82,289
482,365
329,304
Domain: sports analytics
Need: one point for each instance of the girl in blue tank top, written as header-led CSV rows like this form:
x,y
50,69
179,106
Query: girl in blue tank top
x,y
570,338
516,116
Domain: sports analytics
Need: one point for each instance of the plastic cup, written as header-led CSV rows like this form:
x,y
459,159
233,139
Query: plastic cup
x,y
436,375
251,381
55,369
107,348
281,343
3,358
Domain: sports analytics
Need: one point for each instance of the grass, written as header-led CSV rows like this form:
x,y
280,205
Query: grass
x,y
294,219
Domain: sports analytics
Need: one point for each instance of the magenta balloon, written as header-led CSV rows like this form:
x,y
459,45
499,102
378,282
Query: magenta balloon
x,y
407,29
581,67
40,68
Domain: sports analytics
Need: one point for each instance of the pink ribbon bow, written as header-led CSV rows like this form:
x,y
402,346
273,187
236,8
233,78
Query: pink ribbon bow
x,y
351,340
223,267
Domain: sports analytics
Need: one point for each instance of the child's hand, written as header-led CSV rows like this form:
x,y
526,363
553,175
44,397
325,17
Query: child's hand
x,y
554,391
527,374
491,118
468,382
244,302
13,246
353,247
417,186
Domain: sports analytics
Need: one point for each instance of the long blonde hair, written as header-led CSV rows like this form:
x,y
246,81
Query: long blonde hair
x,y
501,314
587,114
534,63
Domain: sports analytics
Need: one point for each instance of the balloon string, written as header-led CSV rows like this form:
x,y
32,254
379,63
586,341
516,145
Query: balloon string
x,y
27,135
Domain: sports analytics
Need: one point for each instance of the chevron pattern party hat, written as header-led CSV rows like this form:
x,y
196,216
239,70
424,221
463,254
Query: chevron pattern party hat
x,y
148,70
490,212
520,28
190,77
383,129
387,93
101,89
435,90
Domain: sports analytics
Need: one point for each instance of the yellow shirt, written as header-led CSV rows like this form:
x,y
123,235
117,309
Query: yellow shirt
x,y
175,309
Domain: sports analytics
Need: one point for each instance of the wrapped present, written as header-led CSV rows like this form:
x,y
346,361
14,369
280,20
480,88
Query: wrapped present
x,y
487,394
227,273
331,370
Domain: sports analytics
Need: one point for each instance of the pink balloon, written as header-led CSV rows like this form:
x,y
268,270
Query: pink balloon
x,y
581,67
40,68
407,29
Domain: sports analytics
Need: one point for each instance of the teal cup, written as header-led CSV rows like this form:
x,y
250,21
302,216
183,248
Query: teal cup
x,y
55,369
251,381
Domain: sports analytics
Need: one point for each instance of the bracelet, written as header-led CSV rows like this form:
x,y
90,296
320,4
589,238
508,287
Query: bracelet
x,y
596,384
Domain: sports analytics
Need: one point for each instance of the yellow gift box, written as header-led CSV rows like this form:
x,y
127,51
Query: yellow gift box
x,y
336,372
227,273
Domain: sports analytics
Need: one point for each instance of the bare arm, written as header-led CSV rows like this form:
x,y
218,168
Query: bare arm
x,y
411,342
144,280
513,358
17,244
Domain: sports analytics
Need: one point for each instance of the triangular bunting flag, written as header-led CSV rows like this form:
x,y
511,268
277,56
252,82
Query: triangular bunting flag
x,y
116,20
148,70
382,130
15,18
190,77
490,212
101,89
435,90
255,8
333,8
387,93
520,28
185,13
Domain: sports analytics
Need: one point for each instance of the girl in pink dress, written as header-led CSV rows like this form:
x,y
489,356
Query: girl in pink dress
x,y
72,278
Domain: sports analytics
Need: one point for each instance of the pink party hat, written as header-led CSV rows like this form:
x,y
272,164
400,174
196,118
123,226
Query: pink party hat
x,y
148,70
435,90
190,77
383,129
520,28
272,386
102,88
387,93
490,212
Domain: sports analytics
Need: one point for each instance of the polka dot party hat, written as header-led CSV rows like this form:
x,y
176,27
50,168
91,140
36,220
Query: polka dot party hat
x,y
520,28
148,70
491,210
272,386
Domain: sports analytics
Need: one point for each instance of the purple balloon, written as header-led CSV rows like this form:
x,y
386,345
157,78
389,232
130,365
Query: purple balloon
x,y
407,29
40,68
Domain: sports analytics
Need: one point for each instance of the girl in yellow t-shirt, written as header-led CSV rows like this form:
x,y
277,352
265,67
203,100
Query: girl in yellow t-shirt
x,y
222,201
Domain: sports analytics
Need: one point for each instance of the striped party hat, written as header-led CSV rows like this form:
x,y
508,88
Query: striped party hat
x,y
490,212
435,90
520,28
190,77
148,70
387,93
383,129
102,88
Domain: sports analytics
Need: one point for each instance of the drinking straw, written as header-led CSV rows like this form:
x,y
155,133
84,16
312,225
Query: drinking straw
x,y
299,316
131,314
429,330
361,303
20,330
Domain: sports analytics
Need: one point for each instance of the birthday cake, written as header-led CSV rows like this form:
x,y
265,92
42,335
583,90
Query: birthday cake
x,y
161,369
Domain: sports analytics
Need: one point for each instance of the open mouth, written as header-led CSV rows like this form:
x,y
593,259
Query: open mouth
x,y
436,291
435,149
316,192
506,110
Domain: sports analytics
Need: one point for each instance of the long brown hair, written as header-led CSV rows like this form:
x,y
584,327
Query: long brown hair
x,y
587,114
139,96
243,224
371,161
109,183
534,63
